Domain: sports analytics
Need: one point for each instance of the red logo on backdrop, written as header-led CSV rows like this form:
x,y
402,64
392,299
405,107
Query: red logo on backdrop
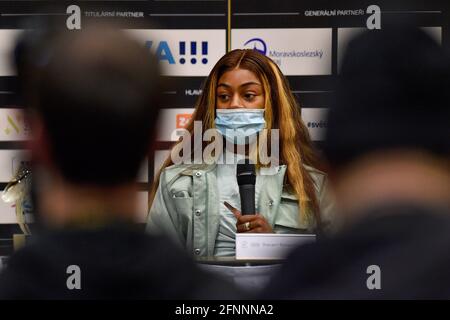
x,y
183,120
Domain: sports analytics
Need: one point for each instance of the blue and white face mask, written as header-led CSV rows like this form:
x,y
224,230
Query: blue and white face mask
x,y
237,124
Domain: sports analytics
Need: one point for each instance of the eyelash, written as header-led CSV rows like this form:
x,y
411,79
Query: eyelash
x,y
223,96
247,96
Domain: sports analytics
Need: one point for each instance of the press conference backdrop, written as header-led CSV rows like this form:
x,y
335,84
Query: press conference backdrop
x,y
306,38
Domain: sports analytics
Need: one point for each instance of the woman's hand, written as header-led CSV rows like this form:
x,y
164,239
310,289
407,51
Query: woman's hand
x,y
254,223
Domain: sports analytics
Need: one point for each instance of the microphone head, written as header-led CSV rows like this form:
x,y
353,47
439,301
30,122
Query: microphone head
x,y
245,173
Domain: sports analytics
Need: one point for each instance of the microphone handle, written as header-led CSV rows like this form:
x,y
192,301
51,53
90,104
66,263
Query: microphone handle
x,y
247,193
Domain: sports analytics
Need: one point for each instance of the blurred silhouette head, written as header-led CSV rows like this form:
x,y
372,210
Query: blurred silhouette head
x,y
95,93
393,93
387,137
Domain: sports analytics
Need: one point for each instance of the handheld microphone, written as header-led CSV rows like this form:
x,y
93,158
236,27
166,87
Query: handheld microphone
x,y
246,179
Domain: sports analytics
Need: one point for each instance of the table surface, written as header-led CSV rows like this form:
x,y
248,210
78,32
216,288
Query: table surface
x,y
232,261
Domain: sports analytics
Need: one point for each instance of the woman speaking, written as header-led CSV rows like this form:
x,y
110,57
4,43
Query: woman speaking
x,y
198,205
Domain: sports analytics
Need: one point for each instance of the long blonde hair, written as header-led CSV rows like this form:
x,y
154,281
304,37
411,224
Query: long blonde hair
x,y
281,112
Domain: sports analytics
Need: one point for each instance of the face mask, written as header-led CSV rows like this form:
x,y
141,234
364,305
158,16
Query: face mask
x,y
237,124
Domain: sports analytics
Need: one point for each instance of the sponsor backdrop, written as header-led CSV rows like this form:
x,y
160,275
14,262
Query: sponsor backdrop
x,y
306,38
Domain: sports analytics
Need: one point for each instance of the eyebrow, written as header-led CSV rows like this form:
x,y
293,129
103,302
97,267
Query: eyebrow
x,y
242,85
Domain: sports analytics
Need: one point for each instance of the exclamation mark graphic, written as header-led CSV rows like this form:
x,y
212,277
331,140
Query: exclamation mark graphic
x,y
182,51
193,51
204,51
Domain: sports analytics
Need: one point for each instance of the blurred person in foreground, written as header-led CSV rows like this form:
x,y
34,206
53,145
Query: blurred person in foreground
x,y
93,102
387,144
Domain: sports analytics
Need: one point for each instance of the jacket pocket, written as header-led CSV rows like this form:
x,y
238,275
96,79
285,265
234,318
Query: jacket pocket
x,y
288,219
183,194
183,202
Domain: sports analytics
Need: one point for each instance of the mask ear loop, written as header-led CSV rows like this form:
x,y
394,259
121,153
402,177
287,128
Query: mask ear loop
x,y
224,141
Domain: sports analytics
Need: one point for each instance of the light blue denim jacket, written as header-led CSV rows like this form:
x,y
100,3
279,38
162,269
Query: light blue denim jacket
x,y
186,206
